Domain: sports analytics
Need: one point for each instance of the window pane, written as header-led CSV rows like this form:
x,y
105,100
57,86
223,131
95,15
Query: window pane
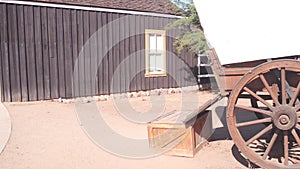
x,y
156,57
160,44
152,43
152,63
160,63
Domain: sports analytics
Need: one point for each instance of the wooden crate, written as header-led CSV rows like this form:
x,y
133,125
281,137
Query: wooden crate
x,y
171,135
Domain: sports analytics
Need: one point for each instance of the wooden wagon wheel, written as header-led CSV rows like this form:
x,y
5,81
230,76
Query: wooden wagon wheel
x,y
273,141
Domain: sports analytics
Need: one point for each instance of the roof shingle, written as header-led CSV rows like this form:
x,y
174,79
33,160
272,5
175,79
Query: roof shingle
x,y
156,6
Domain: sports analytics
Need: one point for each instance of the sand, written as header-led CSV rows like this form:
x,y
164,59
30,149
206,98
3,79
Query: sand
x,y
48,135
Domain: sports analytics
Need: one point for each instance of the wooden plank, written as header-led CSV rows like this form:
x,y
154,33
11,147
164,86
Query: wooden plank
x,y
179,139
170,67
100,37
147,79
30,52
110,52
105,61
53,52
151,79
75,52
1,79
116,53
67,31
142,57
38,52
94,53
174,58
13,53
127,53
60,53
236,71
122,54
138,57
156,80
132,49
80,59
87,54
163,136
170,52
45,53
5,54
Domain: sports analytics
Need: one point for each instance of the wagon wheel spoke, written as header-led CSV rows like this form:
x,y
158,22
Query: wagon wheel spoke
x,y
298,126
270,146
283,86
295,95
286,148
297,107
256,110
294,133
259,98
258,135
249,123
277,144
272,94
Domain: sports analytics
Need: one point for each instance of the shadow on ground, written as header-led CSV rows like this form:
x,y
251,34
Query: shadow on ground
x,y
222,133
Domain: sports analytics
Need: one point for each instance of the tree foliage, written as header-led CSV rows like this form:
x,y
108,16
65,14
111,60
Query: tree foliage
x,y
191,36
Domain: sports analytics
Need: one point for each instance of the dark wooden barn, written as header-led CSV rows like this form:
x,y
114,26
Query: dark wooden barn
x,y
62,49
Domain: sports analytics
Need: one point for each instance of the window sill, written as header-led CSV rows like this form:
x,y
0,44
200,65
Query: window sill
x,y
155,75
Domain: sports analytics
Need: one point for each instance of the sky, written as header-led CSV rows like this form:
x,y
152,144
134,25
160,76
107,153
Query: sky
x,y
251,29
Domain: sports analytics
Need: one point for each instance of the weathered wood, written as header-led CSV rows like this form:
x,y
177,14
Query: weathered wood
x,y
30,52
87,85
99,53
142,54
60,53
38,52
80,57
116,86
45,53
67,46
132,49
105,62
93,52
122,54
52,30
127,53
176,137
13,53
40,46
75,52
5,54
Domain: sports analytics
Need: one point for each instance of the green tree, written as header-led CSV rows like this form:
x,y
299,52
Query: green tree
x,y
191,36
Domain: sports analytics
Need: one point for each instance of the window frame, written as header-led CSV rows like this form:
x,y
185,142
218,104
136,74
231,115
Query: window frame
x,y
147,44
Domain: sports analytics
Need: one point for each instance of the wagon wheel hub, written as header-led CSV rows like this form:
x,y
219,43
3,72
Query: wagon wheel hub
x,y
284,118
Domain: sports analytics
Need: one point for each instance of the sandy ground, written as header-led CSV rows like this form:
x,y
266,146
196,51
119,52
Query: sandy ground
x,y
48,135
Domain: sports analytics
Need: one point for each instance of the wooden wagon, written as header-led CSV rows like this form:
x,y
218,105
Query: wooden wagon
x,y
256,59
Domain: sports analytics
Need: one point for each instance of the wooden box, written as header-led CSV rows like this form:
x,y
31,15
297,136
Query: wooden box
x,y
171,135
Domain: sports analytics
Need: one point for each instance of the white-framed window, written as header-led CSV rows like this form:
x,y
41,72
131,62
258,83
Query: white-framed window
x,y
155,53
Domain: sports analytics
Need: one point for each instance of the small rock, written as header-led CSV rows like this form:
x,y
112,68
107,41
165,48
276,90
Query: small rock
x,y
139,94
102,98
60,100
67,101
171,91
147,93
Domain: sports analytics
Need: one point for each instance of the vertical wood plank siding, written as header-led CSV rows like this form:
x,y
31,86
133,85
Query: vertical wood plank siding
x,y
40,46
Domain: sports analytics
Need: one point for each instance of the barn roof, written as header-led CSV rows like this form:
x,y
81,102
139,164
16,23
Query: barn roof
x,y
156,6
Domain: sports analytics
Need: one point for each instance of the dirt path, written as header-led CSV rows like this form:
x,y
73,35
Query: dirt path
x,y
48,135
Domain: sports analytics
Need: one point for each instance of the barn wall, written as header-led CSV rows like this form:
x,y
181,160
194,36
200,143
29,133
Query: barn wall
x,y
48,53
